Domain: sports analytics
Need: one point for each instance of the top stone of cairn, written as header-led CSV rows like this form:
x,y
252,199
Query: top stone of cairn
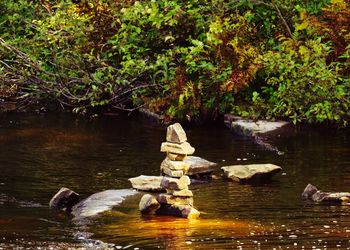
x,y
176,134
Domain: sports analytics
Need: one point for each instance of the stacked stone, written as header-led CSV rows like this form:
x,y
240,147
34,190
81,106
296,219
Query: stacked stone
x,y
178,199
177,148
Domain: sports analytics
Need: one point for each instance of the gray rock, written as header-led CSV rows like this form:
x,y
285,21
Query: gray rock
x,y
184,148
175,133
252,172
147,183
250,128
312,193
148,204
64,199
101,202
199,166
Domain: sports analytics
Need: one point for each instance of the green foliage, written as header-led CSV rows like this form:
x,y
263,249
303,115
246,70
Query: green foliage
x,y
302,86
186,59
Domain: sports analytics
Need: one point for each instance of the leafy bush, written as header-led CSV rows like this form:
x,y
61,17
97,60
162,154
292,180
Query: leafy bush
x,y
302,86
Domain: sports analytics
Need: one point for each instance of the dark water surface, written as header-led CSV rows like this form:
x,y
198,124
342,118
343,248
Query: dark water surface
x,y
41,153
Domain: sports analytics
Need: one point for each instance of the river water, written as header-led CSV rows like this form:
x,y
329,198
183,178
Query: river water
x,y
41,153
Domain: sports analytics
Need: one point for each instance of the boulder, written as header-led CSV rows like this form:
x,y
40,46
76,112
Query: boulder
x,y
148,204
199,166
175,133
147,183
184,148
175,184
184,211
64,199
173,200
252,172
100,202
312,193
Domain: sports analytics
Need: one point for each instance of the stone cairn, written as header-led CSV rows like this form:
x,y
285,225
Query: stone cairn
x,y
178,199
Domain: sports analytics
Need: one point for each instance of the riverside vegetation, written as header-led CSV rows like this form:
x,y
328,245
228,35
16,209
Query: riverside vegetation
x,y
194,59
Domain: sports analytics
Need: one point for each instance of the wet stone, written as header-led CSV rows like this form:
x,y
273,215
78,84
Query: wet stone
x,y
199,166
312,193
252,172
64,199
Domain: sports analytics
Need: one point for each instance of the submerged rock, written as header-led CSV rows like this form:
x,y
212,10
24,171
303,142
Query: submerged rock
x,y
312,193
252,172
147,183
101,202
199,166
64,199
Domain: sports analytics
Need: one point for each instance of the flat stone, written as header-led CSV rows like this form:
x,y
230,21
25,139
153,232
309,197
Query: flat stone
x,y
174,200
147,183
64,199
184,211
176,157
101,202
199,166
175,165
180,193
175,184
252,172
172,173
250,128
148,204
184,148
175,133
312,193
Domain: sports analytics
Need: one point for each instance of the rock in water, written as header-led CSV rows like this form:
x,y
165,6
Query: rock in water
x,y
147,183
148,204
176,134
184,211
252,172
101,202
312,193
199,166
64,199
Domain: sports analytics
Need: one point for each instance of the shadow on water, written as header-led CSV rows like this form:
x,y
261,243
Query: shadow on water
x,y
41,153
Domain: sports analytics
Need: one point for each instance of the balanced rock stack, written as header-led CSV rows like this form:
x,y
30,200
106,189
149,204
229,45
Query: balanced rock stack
x,y
177,148
178,199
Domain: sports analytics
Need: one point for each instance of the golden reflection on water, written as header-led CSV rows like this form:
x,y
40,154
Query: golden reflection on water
x,y
175,233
